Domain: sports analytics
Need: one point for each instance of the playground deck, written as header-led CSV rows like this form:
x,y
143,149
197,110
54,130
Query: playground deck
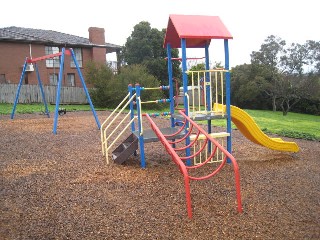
x,y
196,116
150,136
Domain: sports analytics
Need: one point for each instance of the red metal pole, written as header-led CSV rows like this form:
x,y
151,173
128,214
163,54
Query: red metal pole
x,y
33,60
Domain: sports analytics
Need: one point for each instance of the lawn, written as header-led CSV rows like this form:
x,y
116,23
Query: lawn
x,y
6,108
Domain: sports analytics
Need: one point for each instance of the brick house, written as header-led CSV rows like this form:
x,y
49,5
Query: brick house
x,y
17,43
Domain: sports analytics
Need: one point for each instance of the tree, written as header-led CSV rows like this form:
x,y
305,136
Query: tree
x,y
145,46
245,88
314,55
284,73
300,78
266,61
293,83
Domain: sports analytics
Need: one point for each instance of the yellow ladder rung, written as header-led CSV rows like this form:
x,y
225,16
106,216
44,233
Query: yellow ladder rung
x,y
214,135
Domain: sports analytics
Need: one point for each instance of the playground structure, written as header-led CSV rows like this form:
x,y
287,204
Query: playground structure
x,y
58,111
207,98
184,139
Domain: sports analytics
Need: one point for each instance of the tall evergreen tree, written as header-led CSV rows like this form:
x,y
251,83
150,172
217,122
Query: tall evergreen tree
x,y
145,46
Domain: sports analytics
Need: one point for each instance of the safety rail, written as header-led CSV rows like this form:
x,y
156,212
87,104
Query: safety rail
x,y
207,88
106,125
184,168
140,116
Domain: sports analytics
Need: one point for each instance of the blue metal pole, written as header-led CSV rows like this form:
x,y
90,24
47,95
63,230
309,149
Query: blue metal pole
x,y
56,112
228,96
207,86
184,74
185,90
170,75
85,88
19,88
141,140
207,89
41,90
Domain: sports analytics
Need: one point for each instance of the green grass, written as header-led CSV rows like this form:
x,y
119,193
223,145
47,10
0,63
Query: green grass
x,y
6,108
294,125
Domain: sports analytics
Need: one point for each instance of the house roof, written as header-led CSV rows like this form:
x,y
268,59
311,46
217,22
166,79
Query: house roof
x,y
30,35
196,29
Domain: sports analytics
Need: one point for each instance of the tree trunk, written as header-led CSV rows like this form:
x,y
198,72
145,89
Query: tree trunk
x,y
286,108
274,105
284,113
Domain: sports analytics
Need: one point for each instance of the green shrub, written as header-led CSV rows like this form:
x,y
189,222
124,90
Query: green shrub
x,y
109,89
134,74
101,77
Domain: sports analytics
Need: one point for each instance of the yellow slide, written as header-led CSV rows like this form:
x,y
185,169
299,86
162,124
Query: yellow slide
x,y
250,130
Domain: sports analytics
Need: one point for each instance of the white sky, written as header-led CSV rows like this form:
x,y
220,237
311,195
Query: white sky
x,y
249,21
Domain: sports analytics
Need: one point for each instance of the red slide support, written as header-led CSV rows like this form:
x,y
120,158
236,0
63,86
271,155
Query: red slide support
x,y
180,161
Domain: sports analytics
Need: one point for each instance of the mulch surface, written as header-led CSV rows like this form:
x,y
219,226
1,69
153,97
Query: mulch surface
x,y
60,187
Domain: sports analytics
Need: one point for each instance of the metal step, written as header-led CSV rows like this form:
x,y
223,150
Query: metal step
x,y
125,149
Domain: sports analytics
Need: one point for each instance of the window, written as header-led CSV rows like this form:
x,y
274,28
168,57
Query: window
x,y
53,79
78,55
52,62
3,78
113,65
70,80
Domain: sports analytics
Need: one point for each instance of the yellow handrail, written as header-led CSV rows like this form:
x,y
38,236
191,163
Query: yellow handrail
x,y
141,127
116,128
119,135
110,123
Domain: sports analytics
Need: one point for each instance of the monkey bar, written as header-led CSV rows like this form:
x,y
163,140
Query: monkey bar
x,y
181,161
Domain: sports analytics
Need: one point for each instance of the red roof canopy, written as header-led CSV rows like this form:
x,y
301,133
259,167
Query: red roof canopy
x,y
197,30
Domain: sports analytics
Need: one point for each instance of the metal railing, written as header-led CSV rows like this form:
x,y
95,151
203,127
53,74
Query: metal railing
x,y
207,89
109,123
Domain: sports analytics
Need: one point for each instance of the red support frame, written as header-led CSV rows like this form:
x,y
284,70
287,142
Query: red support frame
x,y
33,60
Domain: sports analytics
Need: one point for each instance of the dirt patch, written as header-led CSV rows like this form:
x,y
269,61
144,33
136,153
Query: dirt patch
x,y
59,187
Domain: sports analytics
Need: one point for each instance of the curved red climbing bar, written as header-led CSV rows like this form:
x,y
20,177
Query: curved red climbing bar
x,y
179,161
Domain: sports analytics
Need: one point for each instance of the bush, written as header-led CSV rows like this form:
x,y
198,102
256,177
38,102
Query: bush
x,y
101,77
134,74
110,89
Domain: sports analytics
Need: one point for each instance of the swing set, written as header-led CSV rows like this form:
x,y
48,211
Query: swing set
x,y
33,61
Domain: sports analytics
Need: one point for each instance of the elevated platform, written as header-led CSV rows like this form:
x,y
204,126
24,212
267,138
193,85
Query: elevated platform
x,y
201,116
150,136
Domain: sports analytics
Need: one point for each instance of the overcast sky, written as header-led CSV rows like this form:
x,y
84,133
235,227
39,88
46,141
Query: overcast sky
x,y
249,21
